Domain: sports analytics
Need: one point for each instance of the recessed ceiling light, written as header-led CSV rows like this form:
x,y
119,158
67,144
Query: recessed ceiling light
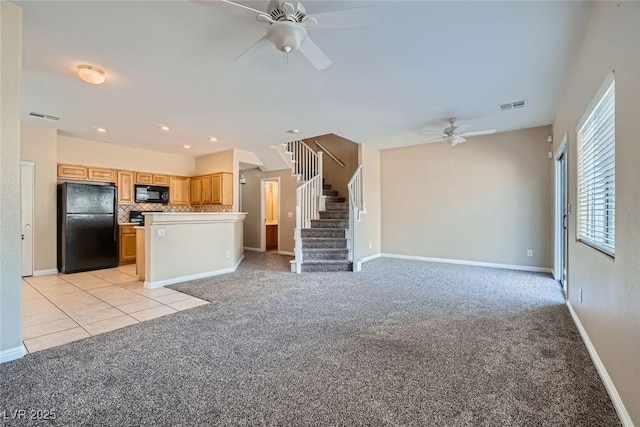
x,y
101,130
90,74
213,139
293,131
164,127
186,146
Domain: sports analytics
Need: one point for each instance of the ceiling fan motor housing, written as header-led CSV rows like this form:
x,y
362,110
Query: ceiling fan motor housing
x,y
286,36
281,10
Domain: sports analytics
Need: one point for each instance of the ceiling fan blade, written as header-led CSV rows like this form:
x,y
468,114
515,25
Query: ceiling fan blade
x,y
479,132
348,18
426,132
231,7
262,41
428,141
314,54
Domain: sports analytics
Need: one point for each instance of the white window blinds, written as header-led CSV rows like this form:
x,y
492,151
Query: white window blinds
x,y
596,171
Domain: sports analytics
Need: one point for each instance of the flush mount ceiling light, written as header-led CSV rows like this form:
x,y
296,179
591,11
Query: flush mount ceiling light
x,y
101,130
90,74
164,127
293,131
186,146
213,139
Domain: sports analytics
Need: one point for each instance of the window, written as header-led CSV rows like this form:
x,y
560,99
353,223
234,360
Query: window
x,y
596,171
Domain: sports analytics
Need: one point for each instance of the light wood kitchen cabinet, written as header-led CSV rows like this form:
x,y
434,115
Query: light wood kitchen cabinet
x,y
101,174
179,190
72,172
160,179
127,244
196,190
144,178
125,187
147,178
206,190
222,188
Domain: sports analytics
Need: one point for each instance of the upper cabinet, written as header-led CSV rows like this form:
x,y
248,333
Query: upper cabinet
x,y
72,172
101,174
222,188
196,190
178,190
151,178
125,187
206,190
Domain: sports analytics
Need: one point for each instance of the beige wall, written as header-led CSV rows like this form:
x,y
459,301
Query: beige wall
x,y
369,226
610,310
216,162
39,146
251,205
10,288
486,200
93,153
346,151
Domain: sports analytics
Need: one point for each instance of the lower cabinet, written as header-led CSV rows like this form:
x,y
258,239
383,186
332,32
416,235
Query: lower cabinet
x,y
271,237
127,244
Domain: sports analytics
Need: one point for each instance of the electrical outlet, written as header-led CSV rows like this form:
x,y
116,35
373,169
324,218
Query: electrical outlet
x,y
290,214
529,252
160,232
580,295
228,254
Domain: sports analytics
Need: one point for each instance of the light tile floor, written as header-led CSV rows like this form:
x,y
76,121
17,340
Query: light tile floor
x,y
61,308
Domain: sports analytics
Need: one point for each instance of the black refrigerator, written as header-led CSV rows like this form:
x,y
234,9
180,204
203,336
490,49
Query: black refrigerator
x,y
87,227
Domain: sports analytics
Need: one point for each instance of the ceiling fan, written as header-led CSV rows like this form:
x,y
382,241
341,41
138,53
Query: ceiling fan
x,y
288,23
453,134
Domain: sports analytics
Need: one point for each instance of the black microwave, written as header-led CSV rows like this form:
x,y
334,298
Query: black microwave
x,y
151,194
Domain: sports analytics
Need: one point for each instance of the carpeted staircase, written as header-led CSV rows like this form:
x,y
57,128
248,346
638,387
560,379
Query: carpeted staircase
x,y
324,245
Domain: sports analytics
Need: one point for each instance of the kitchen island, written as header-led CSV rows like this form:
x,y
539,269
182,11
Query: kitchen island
x,y
177,247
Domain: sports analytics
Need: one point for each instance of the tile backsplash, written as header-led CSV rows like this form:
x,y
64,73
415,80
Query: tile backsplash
x,y
123,210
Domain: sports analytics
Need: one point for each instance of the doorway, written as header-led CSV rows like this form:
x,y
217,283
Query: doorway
x,y
270,214
562,216
27,180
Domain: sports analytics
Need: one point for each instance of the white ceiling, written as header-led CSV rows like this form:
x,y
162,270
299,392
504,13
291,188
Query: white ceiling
x,y
172,62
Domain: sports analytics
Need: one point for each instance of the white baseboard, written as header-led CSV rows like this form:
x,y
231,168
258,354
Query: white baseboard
x,y
252,249
12,353
623,414
475,263
286,253
45,272
370,257
174,280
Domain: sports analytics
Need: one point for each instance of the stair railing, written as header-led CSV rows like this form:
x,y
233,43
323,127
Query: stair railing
x,y
356,207
308,167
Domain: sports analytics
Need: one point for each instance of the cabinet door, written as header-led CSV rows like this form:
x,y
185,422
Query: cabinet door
x,y
127,246
99,174
179,190
161,179
222,183
216,181
144,178
125,188
206,190
196,191
72,172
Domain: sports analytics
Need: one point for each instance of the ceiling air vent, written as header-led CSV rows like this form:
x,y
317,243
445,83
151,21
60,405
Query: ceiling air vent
x,y
44,116
513,105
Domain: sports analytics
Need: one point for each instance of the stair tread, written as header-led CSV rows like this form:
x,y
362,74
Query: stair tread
x,y
326,261
324,249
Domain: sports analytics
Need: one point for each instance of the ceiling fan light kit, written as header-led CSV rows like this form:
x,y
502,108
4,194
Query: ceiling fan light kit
x,y
286,36
90,74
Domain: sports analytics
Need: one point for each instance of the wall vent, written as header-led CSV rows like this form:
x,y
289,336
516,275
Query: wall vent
x,y
44,116
513,105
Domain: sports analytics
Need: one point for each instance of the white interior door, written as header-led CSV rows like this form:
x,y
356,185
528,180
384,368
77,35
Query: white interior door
x,y
27,179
